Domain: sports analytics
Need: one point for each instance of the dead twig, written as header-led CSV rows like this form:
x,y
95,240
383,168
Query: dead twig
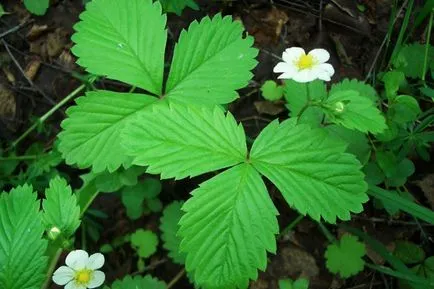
x,y
15,28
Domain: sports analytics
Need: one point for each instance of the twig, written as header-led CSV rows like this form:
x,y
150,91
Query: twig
x,y
176,279
391,222
24,74
15,28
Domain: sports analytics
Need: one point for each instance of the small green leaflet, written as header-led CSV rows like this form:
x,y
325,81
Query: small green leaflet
x,y
144,242
169,228
124,40
408,252
37,7
22,249
271,90
139,282
353,111
411,59
43,164
176,6
297,284
361,87
179,141
393,80
345,257
311,170
91,133
133,197
225,238
211,60
60,208
403,109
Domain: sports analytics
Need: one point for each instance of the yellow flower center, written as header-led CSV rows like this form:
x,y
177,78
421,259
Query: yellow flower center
x,y
82,277
305,62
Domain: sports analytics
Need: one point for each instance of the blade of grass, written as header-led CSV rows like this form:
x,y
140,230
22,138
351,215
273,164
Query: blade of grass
x,y
416,280
427,46
426,10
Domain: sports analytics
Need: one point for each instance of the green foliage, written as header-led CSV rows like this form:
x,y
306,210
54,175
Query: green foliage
x,y
354,111
426,269
43,164
22,248
37,7
2,11
403,109
176,6
411,59
345,257
177,146
408,252
211,60
362,88
112,182
133,197
271,90
300,283
395,170
139,282
169,228
91,133
144,242
131,49
225,245
393,80
311,170
60,208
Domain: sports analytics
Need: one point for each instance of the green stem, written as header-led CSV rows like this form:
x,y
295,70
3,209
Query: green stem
x,y
47,115
397,274
51,268
306,105
327,233
291,225
19,158
427,45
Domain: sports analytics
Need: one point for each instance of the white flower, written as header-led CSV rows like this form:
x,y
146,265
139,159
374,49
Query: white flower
x,y
80,271
302,67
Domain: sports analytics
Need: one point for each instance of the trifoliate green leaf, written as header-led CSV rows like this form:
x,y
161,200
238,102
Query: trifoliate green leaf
x,y
124,40
144,242
393,80
409,252
60,208
271,90
111,182
23,263
37,7
353,111
43,164
298,95
403,109
311,170
362,88
228,226
180,141
411,59
169,228
358,143
211,61
396,170
426,269
373,174
176,6
134,196
297,284
91,135
345,257
139,282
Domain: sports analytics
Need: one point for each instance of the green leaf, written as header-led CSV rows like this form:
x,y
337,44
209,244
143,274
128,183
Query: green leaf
x,y
362,88
144,242
396,170
60,208
43,164
169,227
426,269
403,109
180,141
229,225
37,7
22,249
411,59
134,196
139,282
358,143
176,6
311,170
393,80
91,133
353,111
211,61
112,182
298,94
345,257
124,40
271,90
300,283
409,252
373,174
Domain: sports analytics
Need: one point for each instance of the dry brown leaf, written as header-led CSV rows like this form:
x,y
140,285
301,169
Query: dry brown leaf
x,y
9,75
427,187
7,103
32,68
36,31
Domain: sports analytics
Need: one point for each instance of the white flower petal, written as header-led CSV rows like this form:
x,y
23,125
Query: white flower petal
x,y
96,280
282,67
63,275
95,261
74,285
292,54
77,259
327,68
305,75
320,55
286,75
